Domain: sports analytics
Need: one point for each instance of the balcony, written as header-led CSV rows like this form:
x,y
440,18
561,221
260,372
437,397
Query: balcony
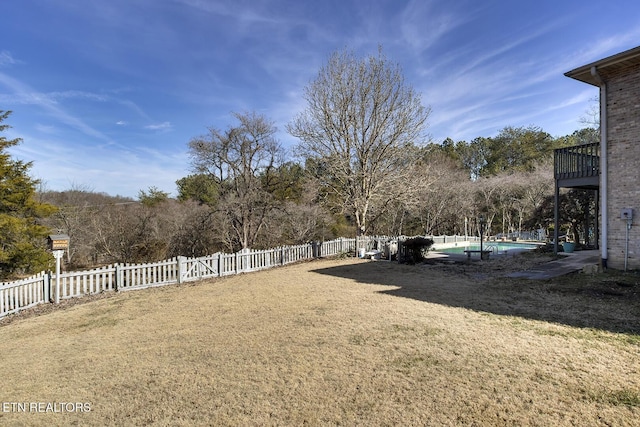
x,y
578,166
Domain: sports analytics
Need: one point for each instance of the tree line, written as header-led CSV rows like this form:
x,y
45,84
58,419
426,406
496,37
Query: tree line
x,y
363,164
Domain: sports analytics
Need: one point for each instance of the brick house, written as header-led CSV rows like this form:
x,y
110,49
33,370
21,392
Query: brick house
x,y
614,170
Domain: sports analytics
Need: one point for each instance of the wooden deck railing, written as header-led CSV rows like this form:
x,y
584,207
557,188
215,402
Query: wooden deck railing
x,y
580,161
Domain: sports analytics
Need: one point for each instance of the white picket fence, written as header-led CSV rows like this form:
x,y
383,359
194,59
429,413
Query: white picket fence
x,y
46,287
25,293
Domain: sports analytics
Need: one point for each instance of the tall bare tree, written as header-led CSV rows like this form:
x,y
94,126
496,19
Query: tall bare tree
x,y
359,127
241,161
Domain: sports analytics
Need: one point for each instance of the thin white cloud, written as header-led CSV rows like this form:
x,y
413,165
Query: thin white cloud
x,y
7,59
124,171
422,25
489,56
121,123
77,94
28,95
164,126
49,129
581,98
596,49
134,107
245,12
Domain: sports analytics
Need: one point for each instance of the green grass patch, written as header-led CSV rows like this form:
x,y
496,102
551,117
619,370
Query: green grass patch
x,y
624,397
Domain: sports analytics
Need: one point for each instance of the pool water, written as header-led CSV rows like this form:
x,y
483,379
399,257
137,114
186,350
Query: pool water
x,y
496,247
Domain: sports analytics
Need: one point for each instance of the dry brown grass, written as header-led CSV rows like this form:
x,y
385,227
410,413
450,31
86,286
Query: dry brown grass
x,y
338,342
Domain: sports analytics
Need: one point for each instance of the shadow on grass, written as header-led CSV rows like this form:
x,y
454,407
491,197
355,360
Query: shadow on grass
x,y
609,302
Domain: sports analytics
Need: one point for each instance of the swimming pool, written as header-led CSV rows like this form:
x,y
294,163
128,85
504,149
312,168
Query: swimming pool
x,y
495,247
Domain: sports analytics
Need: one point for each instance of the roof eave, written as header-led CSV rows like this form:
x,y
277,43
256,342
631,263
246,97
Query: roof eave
x,y
583,73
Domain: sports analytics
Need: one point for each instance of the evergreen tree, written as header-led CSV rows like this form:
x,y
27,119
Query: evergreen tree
x,y
200,187
22,239
517,150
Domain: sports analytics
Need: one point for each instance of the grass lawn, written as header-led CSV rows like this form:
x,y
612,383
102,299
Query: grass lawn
x,y
335,342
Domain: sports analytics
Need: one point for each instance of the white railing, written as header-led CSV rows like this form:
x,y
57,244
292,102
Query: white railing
x,y
46,287
453,239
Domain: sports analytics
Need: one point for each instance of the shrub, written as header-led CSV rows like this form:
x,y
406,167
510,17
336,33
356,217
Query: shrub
x,y
413,250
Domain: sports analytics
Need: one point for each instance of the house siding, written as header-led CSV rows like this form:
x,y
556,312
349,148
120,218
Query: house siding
x,y
623,150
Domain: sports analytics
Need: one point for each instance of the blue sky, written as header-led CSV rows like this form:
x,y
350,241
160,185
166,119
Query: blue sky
x,y
107,93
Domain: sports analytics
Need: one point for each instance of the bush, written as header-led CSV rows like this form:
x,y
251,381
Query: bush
x,y
413,250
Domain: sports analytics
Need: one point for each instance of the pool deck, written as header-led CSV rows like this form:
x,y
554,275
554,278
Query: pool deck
x,y
569,263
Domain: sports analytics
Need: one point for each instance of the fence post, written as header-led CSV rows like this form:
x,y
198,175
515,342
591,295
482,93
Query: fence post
x,y
58,256
246,258
56,299
180,268
118,277
46,286
220,264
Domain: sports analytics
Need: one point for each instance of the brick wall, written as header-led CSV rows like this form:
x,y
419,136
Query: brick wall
x,y
623,134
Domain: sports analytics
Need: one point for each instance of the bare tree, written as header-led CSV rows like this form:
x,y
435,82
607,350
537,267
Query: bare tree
x,y
359,126
80,212
241,161
591,117
444,205
196,233
300,219
533,187
487,191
